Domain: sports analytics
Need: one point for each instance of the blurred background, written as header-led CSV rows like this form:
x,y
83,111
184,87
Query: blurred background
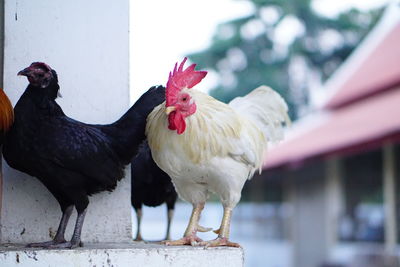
x,y
328,194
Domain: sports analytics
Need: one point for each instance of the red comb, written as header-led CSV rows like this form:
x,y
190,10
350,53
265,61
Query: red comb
x,y
180,79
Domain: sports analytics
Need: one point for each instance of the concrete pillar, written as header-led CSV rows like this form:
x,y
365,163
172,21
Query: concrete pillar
x,y
334,201
87,43
307,195
389,196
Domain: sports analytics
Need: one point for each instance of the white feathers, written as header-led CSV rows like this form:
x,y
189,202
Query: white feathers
x,y
265,108
222,146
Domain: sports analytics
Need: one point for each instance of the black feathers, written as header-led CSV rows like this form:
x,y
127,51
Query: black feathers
x,y
150,185
43,135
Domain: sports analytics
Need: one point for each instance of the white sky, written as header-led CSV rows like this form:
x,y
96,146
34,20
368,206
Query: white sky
x,y
162,32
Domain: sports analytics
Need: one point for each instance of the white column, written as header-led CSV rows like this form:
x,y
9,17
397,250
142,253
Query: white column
x,y
87,43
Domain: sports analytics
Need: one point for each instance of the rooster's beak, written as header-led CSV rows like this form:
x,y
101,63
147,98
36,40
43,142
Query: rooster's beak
x,y
169,109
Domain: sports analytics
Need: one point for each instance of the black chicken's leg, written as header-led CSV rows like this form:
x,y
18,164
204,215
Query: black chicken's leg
x,y
139,214
76,236
59,238
170,215
170,201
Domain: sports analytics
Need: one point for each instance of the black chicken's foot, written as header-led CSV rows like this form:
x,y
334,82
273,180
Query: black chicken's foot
x,y
138,238
47,244
76,236
69,244
59,238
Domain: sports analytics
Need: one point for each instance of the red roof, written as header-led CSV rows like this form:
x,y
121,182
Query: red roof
x,y
364,112
356,127
379,71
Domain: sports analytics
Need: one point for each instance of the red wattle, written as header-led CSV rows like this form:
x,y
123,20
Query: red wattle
x,y
176,122
171,121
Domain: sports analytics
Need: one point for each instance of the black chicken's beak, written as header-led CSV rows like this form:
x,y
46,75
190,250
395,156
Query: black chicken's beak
x,y
24,72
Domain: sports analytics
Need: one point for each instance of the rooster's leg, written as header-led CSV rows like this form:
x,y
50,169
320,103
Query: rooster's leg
x,y
139,215
223,232
190,237
59,238
170,215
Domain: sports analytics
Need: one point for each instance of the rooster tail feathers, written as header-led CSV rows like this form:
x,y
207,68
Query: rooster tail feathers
x,y
266,108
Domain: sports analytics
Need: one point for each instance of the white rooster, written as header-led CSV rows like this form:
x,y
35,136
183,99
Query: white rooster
x,y
207,146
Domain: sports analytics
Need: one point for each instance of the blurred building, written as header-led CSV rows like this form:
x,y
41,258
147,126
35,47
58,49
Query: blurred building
x,y
340,167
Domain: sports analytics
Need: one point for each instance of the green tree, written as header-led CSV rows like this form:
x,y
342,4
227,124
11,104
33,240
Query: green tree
x,y
246,53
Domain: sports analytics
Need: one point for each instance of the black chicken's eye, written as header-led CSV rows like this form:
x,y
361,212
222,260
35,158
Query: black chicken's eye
x,y
184,99
40,75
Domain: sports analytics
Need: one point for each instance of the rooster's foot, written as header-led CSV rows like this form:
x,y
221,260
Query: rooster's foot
x,y
192,240
219,242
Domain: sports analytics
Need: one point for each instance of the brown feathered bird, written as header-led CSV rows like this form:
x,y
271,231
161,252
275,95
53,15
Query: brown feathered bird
x,y
6,115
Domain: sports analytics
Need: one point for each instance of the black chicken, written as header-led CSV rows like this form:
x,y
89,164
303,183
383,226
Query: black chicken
x,y
150,186
72,159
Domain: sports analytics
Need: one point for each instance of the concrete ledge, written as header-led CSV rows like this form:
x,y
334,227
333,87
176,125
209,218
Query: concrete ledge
x,y
121,254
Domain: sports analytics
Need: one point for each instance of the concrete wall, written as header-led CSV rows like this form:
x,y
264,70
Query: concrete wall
x,y
87,43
